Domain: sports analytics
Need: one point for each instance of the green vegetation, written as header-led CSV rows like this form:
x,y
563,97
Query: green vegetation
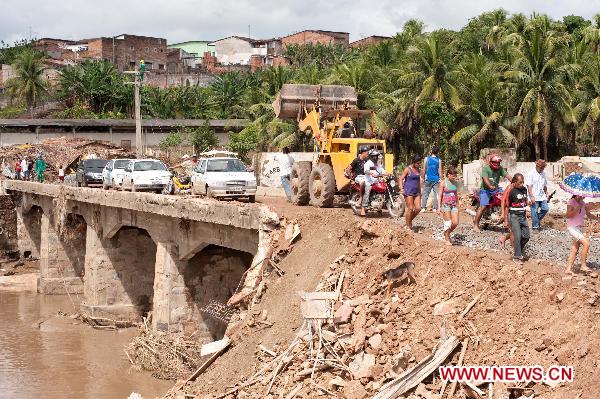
x,y
29,84
501,80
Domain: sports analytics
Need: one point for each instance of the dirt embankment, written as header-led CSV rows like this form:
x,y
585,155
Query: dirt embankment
x,y
524,315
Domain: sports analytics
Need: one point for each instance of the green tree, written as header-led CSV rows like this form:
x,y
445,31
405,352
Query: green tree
x,y
228,92
588,107
29,84
202,138
486,112
537,81
98,85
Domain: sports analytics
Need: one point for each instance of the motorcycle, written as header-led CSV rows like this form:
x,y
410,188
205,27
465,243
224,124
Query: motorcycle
x,y
178,185
384,193
493,213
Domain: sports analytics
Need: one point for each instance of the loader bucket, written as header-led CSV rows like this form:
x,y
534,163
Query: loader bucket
x,y
293,97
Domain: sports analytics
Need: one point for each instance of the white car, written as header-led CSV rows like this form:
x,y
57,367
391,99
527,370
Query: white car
x,y
112,175
223,177
145,175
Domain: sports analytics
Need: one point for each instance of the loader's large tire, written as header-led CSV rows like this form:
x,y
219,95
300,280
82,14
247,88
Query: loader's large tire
x,y
299,181
322,186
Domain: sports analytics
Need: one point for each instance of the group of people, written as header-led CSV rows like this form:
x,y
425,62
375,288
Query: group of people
x,y
523,192
24,169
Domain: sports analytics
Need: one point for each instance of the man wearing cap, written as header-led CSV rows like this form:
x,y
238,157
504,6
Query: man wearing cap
x,y
490,180
538,193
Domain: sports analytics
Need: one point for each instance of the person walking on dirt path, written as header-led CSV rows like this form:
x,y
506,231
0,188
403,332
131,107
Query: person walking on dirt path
x,y
448,199
18,170
61,174
517,208
356,171
538,193
286,161
576,212
24,169
432,171
410,187
490,180
504,215
40,168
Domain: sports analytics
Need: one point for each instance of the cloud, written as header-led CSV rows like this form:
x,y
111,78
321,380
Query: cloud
x,y
181,20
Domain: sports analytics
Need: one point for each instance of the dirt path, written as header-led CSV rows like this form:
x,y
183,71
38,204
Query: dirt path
x,y
524,315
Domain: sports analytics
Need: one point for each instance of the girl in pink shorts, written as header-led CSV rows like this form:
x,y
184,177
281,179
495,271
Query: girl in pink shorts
x,y
576,212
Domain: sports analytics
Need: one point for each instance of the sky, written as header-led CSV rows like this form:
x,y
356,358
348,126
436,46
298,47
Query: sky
x,y
181,20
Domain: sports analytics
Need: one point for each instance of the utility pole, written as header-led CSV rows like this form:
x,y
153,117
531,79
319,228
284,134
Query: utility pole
x,y
138,75
138,119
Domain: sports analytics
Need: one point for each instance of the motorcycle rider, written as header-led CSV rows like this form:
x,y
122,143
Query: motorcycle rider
x,y
490,180
356,171
373,170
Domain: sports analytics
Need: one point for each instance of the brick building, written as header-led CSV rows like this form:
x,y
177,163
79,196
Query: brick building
x,y
369,41
124,51
317,36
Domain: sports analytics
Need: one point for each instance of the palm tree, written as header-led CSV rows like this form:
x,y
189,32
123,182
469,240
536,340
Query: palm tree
x,y
228,92
29,84
357,75
274,78
588,108
486,111
431,71
591,34
537,80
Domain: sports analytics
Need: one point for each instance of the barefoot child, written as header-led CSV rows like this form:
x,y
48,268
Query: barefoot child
x,y
448,198
576,211
410,187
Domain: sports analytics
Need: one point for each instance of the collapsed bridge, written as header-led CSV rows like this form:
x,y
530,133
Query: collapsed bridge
x,y
132,253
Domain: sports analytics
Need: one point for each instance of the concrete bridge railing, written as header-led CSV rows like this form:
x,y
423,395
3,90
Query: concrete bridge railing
x,y
131,253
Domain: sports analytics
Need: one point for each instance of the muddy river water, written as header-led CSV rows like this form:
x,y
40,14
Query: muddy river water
x,y
43,355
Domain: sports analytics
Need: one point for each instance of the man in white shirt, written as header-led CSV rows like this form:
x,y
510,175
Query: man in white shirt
x,y
373,170
24,169
285,161
538,193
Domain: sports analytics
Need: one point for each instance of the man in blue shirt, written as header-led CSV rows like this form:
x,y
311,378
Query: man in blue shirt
x,y
431,173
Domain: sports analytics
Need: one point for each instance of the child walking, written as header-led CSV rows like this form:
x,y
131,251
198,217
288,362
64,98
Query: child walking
x,y
448,198
517,206
576,212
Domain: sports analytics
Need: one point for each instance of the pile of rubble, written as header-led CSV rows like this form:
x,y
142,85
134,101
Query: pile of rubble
x,y
60,151
396,306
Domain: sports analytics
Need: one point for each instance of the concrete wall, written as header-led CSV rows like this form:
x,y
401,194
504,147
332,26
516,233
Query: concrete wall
x,y
213,274
8,224
233,50
267,167
316,36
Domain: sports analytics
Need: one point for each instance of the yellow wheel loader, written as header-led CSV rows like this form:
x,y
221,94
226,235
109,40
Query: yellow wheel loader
x,y
339,130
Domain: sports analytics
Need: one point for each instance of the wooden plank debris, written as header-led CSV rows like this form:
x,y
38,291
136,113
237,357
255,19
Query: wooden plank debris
x,y
470,305
213,347
209,361
460,362
411,378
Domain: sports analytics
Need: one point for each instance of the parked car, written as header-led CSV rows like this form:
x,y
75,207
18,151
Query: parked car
x,y
113,172
223,177
89,172
145,175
